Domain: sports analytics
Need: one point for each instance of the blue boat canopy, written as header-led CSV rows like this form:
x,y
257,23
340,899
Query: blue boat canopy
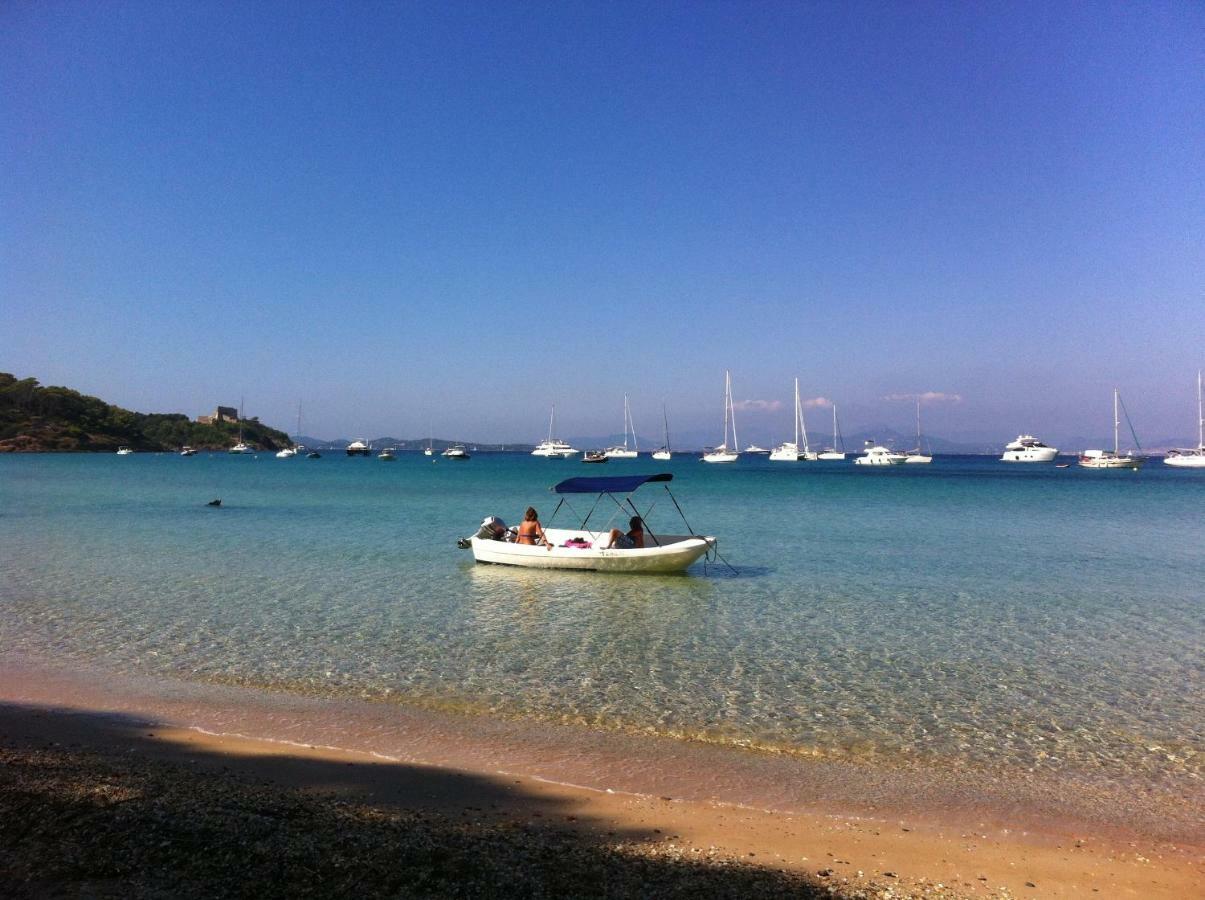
x,y
623,484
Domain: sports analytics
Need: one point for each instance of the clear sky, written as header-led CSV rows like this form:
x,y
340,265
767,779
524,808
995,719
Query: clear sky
x,y
459,213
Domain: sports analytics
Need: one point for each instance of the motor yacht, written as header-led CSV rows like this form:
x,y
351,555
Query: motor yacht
x,y
359,448
1028,449
878,455
456,451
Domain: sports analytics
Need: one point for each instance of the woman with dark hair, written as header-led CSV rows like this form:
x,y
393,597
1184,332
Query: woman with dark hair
x,y
531,529
633,540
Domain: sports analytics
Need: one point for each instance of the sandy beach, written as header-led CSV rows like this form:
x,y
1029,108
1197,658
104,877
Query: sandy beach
x,y
107,793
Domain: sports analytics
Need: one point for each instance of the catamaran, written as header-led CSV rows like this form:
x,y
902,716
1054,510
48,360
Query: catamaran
x,y
1113,459
553,447
832,453
918,455
724,453
1191,457
623,452
663,453
585,548
790,451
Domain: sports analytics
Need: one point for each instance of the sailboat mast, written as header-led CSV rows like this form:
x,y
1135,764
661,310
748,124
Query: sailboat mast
x,y
665,420
1200,415
796,413
918,448
551,423
736,443
1116,425
727,403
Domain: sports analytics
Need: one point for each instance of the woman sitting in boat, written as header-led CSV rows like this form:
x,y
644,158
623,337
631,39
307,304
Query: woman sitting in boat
x,y
531,529
633,540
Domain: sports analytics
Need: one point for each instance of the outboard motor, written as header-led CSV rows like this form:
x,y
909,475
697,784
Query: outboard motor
x,y
492,529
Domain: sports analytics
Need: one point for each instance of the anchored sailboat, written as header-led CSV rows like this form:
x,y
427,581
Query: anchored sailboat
x,y
918,455
833,453
623,452
553,447
664,451
791,451
1113,459
1192,458
725,453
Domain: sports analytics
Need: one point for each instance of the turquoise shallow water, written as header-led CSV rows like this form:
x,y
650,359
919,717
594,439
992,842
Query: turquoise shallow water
x,y
965,615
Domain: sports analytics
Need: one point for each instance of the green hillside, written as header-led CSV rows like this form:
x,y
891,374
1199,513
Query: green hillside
x,y
35,418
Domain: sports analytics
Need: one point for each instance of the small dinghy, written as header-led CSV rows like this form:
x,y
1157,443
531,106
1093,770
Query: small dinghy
x,y
585,548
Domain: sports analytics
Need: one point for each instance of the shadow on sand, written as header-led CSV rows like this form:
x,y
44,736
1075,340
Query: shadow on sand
x,y
101,806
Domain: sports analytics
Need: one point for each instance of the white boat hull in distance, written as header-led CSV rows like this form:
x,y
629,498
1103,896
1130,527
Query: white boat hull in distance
x,y
881,456
1186,459
620,453
1105,459
831,456
667,553
786,453
1028,449
721,456
918,458
554,449
662,454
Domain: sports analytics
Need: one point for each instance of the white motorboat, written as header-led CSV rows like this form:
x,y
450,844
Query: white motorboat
x,y
831,454
722,453
387,455
584,549
755,450
456,451
124,451
663,452
286,453
792,451
359,448
918,455
554,448
296,450
878,455
187,451
1028,449
625,452
1191,457
1113,459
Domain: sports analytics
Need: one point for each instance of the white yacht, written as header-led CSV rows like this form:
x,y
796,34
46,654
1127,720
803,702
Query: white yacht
x,y
1028,449
791,451
553,447
241,447
832,453
1191,457
722,453
755,450
286,453
124,451
359,448
187,451
628,427
918,455
387,455
878,455
456,451
1112,459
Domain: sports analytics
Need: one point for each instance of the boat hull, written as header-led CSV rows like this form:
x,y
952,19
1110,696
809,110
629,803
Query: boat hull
x,y
1186,459
676,553
1110,461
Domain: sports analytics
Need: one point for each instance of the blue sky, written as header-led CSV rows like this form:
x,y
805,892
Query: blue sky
x,y
461,213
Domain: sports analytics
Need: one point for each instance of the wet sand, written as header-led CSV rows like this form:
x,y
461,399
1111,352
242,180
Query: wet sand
x,y
477,810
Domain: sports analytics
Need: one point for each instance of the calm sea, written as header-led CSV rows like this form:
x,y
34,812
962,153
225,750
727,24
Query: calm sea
x,y
968,615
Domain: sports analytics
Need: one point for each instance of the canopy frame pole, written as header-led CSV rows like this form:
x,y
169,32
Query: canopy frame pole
x,y
559,504
591,512
656,540
679,509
